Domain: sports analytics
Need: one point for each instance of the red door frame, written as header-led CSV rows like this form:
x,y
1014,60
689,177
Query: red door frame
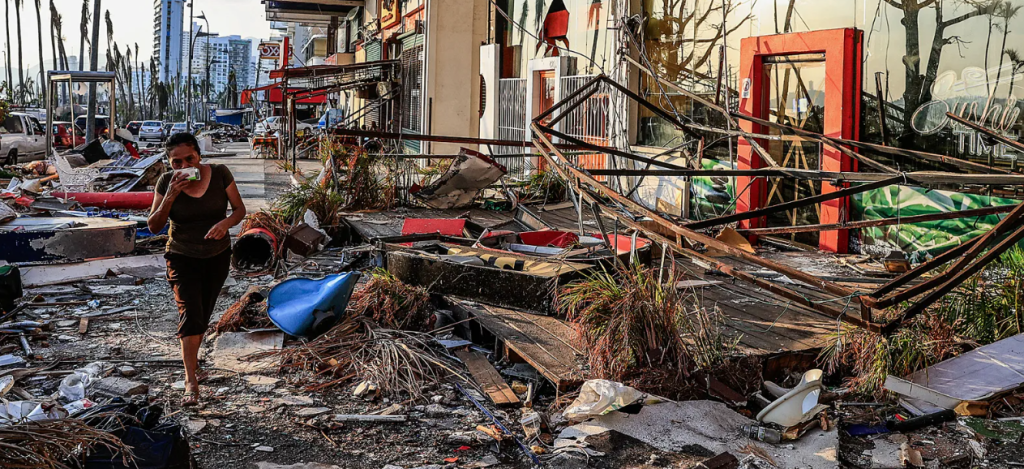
x,y
843,49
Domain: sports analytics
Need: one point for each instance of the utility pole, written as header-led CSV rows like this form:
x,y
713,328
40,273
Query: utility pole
x,y
90,120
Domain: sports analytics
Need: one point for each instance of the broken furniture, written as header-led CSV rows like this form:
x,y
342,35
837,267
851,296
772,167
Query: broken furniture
x,y
307,308
65,239
468,174
494,277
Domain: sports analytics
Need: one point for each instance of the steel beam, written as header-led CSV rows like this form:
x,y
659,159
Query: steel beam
x,y
978,212
793,204
685,232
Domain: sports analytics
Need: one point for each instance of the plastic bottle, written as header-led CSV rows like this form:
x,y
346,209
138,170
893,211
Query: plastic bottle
x,y
765,434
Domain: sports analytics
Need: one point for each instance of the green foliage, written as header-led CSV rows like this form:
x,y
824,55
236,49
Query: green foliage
x,y
544,186
322,200
628,322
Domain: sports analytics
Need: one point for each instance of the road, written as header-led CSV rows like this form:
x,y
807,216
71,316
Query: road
x,y
259,181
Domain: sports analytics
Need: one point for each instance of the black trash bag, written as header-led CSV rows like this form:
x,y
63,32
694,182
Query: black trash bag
x,y
155,445
163,447
10,287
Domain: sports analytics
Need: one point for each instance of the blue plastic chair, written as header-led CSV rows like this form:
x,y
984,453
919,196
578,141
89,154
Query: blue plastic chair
x,y
307,308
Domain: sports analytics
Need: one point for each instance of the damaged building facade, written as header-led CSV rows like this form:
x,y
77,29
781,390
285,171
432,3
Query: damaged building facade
x,y
812,67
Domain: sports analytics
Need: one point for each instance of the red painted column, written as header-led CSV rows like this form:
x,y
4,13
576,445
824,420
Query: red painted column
x,y
843,68
750,192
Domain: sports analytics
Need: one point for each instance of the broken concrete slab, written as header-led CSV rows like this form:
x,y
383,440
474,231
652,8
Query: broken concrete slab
x,y
300,465
42,275
232,350
258,380
116,386
291,400
312,411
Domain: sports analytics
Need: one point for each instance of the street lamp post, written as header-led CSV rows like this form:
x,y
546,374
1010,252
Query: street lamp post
x,y
206,87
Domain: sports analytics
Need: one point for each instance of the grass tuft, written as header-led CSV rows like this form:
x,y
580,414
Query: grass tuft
x,y
629,323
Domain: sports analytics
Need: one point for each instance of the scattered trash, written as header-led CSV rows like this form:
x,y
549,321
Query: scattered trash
x,y
599,397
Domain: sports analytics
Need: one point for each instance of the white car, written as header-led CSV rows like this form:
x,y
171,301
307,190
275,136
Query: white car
x,y
274,124
177,128
22,138
151,130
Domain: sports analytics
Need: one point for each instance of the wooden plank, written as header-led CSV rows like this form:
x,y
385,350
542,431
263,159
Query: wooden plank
x,y
488,378
542,341
83,325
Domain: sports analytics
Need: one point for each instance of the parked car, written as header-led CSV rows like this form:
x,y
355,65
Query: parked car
x,y
152,130
134,127
22,138
102,124
276,123
62,138
330,119
177,128
167,129
197,127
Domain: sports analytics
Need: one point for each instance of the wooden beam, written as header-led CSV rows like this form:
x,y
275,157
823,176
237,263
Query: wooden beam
x,y
685,92
488,378
985,130
611,151
978,212
819,138
438,138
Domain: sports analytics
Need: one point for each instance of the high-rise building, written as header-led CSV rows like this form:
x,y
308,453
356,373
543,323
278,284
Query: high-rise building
x,y
168,17
227,55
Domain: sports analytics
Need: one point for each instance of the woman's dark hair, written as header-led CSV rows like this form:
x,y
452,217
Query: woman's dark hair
x,y
182,138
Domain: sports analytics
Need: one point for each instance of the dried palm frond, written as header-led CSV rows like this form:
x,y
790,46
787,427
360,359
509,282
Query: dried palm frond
x,y
249,312
273,222
392,303
54,444
394,360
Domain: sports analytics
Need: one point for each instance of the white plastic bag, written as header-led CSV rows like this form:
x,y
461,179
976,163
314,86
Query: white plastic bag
x,y
73,387
601,396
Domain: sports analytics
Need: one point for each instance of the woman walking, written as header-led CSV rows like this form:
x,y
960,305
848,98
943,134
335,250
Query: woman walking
x,y
195,197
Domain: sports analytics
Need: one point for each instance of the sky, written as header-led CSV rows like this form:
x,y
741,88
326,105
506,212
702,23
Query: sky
x,y
133,23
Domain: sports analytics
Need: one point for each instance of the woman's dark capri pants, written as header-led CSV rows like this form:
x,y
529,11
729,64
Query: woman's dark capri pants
x,y
196,284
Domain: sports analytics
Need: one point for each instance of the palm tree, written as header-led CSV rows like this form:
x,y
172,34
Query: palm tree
x,y
991,15
58,24
1018,65
53,42
7,29
111,66
42,64
1006,12
84,34
21,71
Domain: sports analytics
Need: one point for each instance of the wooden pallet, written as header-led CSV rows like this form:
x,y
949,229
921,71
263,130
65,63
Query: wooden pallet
x,y
543,342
